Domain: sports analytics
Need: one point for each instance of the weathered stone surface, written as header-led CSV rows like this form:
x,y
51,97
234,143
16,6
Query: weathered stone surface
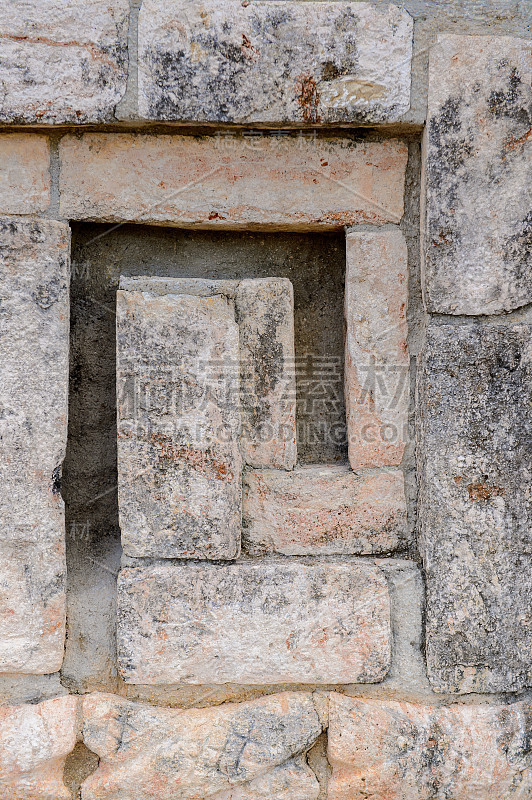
x,y
376,357
323,510
281,183
478,166
179,463
405,751
475,471
34,334
60,64
34,742
245,751
25,177
264,311
273,62
254,623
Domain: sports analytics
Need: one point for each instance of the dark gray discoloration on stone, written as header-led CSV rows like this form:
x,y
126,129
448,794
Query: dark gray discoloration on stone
x,y
264,310
254,623
478,151
273,61
232,752
62,62
179,463
265,314
34,331
475,471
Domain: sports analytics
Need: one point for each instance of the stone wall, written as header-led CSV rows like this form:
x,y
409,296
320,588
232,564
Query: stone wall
x,y
266,429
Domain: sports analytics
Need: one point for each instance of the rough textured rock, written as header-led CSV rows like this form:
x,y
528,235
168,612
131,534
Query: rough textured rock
x,y
232,752
34,334
209,182
475,471
376,357
60,64
25,177
34,742
264,311
254,623
179,463
405,751
273,62
323,510
478,166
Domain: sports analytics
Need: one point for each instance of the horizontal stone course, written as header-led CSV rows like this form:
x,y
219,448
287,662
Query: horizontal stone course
x,y
377,385
262,62
406,751
323,511
475,472
34,743
478,175
59,64
237,751
281,183
25,175
253,623
34,343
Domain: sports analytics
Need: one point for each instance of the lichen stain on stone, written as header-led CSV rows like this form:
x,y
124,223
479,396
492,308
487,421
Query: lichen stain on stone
x,y
481,491
348,89
204,461
517,249
308,97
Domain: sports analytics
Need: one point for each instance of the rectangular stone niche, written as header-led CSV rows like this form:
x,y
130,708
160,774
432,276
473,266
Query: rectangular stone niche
x,y
205,379
253,623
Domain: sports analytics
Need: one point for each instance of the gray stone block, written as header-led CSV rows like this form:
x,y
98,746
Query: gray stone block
x,y
478,176
475,473
254,623
34,341
274,61
179,463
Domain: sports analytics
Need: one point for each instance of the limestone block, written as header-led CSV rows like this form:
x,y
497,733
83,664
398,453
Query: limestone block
x,y
405,751
60,64
236,751
478,167
34,339
274,62
323,511
34,743
254,623
376,357
475,473
264,310
25,176
280,183
179,463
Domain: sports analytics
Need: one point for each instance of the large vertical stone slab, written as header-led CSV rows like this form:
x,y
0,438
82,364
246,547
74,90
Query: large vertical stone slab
x,y
273,61
323,511
478,175
34,743
237,751
179,463
25,175
475,474
406,751
254,623
230,182
264,311
59,64
34,336
376,356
